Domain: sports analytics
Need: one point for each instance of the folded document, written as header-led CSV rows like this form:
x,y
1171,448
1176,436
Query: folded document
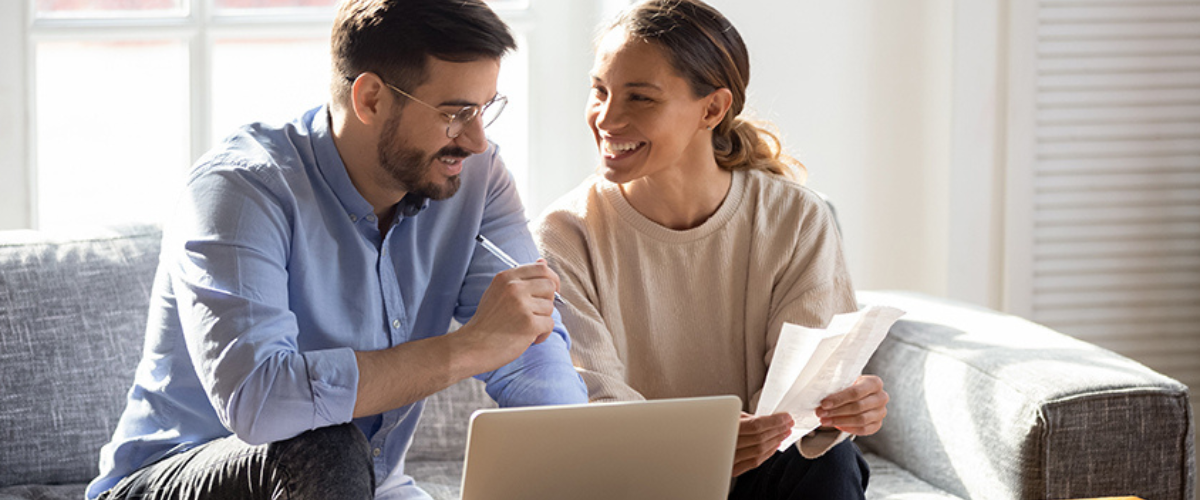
x,y
811,363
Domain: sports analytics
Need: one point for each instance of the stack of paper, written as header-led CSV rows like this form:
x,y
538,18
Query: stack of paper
x,y
810,364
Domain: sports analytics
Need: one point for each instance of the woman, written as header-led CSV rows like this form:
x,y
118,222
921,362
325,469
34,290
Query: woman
x,y
682,261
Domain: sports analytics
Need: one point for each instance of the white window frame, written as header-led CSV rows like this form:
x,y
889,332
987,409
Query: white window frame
x,y
15,201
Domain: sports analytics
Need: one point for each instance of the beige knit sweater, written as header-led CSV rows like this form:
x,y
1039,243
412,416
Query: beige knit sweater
x,y
659,313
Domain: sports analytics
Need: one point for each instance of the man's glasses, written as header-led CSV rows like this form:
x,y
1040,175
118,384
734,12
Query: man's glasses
x,y
459,120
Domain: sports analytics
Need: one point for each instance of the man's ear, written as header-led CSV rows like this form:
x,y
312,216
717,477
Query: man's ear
x,y
367,97
719,102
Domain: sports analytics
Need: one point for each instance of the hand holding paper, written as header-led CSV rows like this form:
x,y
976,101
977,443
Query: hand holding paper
x,y
810,364
858,409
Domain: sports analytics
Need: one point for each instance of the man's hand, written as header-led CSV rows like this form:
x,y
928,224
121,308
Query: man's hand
x,y
758,438
858,410
514,313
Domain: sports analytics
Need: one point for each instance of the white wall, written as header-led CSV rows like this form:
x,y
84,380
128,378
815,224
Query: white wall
x,y
560,144
862,93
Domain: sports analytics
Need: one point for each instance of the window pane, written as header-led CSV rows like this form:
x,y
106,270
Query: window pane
x,y
112,133
267,81
272,4
511,130
107,8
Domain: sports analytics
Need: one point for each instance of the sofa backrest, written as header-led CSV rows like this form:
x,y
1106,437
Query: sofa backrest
x,y
442,433
72,319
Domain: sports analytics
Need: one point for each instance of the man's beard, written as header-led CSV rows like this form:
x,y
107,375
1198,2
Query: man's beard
x,y
410,168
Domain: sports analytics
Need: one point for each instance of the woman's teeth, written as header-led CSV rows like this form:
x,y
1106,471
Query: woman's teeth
x,y
618,148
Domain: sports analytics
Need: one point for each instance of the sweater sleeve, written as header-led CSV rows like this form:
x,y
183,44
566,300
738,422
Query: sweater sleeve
x,y
562,241
813,287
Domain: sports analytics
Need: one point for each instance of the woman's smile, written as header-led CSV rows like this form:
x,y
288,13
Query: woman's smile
x,y
614,149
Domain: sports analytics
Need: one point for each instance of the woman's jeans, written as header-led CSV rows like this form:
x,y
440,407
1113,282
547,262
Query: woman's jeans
x,y
840,474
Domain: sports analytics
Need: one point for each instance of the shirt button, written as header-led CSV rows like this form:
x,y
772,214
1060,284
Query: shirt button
x,y
370,218
353,218
376,452
395,323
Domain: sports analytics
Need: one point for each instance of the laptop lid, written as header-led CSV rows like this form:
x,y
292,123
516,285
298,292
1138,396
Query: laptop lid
x,y
661,450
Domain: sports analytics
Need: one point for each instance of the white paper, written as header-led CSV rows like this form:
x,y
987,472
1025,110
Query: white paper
x,y
809,364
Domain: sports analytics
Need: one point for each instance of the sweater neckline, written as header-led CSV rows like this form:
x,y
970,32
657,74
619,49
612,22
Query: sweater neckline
x,y
642,224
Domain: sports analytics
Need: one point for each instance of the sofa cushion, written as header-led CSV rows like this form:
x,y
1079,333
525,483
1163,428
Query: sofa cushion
x,y
889,481
72,315
441,479
42,492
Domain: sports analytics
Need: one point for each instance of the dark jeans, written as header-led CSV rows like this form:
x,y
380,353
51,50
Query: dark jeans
x,y
840,474
331,462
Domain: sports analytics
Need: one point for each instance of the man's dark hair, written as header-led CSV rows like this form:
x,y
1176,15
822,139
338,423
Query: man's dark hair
x,y
395,38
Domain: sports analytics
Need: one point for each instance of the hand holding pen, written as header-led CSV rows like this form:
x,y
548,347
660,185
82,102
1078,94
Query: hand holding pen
x,y
508,260
512,314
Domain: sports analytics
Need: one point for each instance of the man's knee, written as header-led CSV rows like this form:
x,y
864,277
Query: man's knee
x,y
330,462
345,438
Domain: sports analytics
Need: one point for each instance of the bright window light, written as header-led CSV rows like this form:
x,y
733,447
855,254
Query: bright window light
x,y
112,130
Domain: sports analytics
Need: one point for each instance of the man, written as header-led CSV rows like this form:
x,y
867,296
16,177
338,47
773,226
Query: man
x,y
306,285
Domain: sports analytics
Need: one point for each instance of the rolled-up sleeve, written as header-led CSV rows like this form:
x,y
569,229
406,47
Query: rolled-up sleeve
x,y
230,278
544,374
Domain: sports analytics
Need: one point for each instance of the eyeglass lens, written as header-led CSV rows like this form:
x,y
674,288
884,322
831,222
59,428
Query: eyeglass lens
x,y
492,110
486,115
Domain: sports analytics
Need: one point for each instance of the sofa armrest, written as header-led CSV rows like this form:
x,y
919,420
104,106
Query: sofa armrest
x,y
987,405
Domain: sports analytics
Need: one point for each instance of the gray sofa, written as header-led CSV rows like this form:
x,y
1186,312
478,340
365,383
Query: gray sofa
x,y
983,405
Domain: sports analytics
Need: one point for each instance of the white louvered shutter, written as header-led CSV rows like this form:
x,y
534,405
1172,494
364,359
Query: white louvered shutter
x,y
1115,182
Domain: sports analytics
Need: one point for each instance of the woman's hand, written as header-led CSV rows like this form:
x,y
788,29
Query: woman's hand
x,y
758,438
858,410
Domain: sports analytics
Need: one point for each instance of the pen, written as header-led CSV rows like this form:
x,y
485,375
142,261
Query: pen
x,y
509,261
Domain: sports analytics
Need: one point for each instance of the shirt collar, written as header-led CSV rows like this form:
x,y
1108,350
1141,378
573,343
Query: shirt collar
x,y
329,163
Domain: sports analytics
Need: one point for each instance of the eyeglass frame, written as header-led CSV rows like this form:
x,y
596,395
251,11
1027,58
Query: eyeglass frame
x,y
471,112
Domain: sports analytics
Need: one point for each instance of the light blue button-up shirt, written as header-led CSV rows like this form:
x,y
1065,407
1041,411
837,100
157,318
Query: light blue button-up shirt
x,y
273,272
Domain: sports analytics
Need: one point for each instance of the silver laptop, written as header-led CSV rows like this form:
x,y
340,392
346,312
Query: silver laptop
x,y
660,450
